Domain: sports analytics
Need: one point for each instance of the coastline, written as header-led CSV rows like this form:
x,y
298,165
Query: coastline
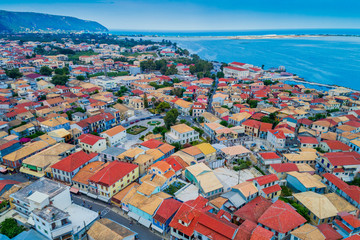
x,y
275,36
297,79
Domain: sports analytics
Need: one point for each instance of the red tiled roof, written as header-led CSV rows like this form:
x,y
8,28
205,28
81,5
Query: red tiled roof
x,y
278,134
189,212
272,189
353,124
152,143
281,217
284,167
329,232
343,158
176,163
90,139
167,208
261,233
308,140
8,144
112,173
253,209
3,183
264,127
218,228
74,161
342,225
262,180
350,219
245,230
353,237
269,155
236,68
238,63
337,145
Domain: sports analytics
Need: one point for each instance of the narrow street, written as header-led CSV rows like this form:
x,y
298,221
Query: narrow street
x,y
116,214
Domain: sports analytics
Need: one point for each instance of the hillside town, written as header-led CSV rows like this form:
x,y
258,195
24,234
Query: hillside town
x,y
144,140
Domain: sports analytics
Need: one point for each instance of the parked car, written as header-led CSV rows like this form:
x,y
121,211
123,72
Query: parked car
x,y
253,145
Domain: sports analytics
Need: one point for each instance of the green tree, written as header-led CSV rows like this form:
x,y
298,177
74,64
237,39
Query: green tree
x,y
45,70
307,91
220,75
178,92
199,130
59,79
146,103
163,106
14,73
81,78
10,228
62,71
224,123
170,118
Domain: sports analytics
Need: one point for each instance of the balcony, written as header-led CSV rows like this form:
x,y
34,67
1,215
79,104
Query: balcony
x,y
62,230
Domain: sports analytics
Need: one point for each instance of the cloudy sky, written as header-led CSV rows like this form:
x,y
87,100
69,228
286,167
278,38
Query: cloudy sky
x,y
201,14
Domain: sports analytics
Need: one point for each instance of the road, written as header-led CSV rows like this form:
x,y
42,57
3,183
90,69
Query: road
x,y
116,214
134,139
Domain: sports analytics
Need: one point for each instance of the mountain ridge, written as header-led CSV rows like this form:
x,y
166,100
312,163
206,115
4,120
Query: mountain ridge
x,y
32,21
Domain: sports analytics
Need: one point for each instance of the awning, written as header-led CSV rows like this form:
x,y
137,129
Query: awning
x,y
10,169
32,173
144,222
157,228
134,216
3,170
74,190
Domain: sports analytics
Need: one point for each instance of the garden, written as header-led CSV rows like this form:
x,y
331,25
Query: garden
x,y
135,130
174,187
154,123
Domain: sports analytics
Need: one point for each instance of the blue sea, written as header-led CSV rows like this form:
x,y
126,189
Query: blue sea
x,y
331,60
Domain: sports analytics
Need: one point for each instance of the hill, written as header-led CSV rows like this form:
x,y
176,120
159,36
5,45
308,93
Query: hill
x,y
30,22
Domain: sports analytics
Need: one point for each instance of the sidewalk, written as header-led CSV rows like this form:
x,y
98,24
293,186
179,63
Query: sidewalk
x,y
121,212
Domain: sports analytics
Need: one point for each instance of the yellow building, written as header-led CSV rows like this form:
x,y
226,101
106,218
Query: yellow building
x,y
38,165
112,179
321,210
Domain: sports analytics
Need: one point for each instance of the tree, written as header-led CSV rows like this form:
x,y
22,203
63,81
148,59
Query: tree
x,y
170,118
62,71
45,70
224,123
178,92
307,91
162,106
220,75
59,79
10,228
81,78
199,130
14,73
171,71
146,103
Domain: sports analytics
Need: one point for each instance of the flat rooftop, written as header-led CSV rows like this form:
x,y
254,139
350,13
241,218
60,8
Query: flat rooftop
x,y
43,185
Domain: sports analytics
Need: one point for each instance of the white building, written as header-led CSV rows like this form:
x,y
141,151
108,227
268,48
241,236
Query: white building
x,y
236,72
67,168
114,136
276,138
47,205
182,134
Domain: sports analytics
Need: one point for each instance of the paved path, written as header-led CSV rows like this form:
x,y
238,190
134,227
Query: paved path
x,y
116,214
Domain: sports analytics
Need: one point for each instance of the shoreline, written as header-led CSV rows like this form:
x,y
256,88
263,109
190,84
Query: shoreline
x,y
287,36
244,37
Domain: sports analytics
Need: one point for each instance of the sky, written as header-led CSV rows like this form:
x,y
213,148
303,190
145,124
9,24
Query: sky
x,y
201,14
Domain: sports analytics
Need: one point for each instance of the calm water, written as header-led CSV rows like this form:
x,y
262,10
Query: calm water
x,y
330,60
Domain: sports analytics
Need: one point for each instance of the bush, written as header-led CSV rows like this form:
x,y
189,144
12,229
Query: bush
x,y
261,171
10,228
